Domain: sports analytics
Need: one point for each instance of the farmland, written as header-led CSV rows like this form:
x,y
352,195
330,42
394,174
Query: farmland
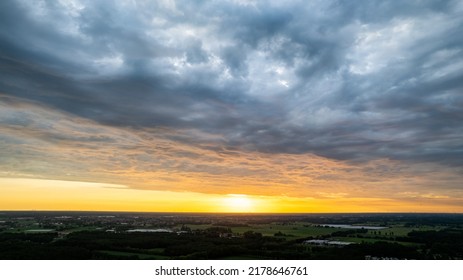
x,y
91,235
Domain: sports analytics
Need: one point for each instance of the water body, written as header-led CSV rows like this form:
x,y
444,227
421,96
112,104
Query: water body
x,y
151,230
351,226
39,230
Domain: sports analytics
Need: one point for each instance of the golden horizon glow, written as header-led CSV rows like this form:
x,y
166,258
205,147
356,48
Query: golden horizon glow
x,y
39,194
239,203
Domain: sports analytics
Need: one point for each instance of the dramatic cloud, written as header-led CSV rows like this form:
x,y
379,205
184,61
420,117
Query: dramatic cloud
x,y
279,97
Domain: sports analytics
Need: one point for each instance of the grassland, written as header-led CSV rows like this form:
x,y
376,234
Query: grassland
x,y
299,230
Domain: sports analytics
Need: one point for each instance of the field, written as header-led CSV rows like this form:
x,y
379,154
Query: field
x,y
298,230
288,231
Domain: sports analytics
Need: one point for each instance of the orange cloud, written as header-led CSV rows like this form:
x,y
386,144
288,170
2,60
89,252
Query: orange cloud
x,y
46,144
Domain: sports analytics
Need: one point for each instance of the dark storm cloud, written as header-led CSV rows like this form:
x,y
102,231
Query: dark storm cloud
x,y
344,80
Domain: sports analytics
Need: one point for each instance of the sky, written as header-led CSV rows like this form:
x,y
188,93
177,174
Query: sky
x,y
231,106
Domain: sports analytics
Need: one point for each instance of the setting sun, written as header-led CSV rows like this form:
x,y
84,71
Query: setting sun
x,y
239,203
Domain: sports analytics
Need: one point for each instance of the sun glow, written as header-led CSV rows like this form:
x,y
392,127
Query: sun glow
x,y
238,203
41,194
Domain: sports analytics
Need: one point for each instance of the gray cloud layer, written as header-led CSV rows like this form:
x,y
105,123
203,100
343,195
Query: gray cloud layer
x,y
348,80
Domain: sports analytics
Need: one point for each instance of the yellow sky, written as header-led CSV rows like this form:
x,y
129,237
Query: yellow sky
x,y
38,194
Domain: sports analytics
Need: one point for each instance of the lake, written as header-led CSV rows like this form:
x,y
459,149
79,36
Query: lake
x,y
351,226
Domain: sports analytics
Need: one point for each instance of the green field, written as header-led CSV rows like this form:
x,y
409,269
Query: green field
x,y
400,230
291,231
300,230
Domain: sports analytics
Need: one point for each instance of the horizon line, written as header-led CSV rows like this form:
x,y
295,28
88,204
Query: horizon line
x,y
228,213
